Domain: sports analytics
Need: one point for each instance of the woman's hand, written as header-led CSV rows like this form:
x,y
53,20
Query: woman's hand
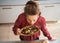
x,y
53,38
18,31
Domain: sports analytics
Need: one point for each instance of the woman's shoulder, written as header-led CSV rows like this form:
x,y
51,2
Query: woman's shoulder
x,y
21,15
41,17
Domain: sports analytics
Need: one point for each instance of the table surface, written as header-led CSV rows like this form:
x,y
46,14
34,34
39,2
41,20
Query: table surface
x,y
36,41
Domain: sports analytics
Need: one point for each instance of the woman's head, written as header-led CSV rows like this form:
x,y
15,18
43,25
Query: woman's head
x,y
31,8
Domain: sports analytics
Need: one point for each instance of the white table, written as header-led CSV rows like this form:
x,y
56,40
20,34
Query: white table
x,y
36,41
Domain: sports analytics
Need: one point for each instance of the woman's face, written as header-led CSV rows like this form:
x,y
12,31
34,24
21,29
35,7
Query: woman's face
x,y
32,18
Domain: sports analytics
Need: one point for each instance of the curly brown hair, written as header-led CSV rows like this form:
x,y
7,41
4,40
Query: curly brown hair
x,y
31,8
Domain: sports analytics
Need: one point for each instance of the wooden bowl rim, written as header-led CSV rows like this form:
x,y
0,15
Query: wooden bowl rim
x,y
29,34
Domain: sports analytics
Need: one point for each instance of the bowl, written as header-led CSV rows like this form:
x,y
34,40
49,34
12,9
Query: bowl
x,y
29,30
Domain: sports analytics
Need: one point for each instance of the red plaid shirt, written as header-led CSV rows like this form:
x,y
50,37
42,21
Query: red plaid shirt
x,y
22,22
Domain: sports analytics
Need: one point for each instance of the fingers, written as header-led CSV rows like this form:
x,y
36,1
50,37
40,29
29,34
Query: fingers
x,y
18,31
53,39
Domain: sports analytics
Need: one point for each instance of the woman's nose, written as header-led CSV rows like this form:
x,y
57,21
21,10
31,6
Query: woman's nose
x,y
32,22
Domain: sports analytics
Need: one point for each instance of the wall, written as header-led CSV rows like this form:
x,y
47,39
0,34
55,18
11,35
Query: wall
x,y
8,14
12,2
51,11
19,2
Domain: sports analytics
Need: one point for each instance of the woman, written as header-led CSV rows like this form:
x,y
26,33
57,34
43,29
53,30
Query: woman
x,y
31,16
